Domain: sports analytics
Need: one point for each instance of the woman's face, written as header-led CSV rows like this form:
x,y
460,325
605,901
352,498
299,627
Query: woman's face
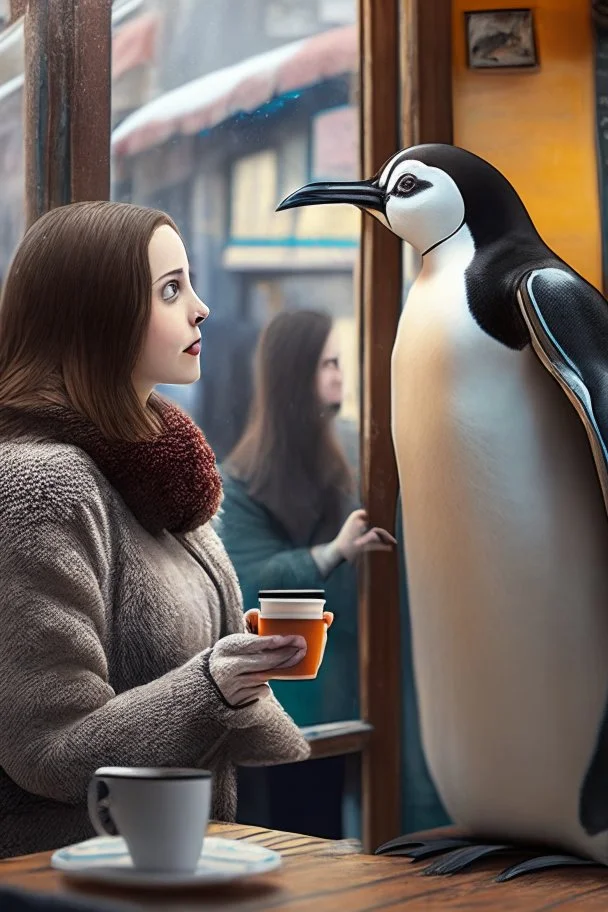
x,y
329,375
175,314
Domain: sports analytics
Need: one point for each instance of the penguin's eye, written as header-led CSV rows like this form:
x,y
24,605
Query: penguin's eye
x,y
406,184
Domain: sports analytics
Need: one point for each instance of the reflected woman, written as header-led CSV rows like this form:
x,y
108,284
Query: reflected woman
x,y
290,520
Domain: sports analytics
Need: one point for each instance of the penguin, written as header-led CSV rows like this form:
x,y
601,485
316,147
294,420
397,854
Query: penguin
x,y
499,420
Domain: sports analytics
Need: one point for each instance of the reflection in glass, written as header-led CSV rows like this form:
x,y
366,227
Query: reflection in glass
x,y
12,172
288,492
219,110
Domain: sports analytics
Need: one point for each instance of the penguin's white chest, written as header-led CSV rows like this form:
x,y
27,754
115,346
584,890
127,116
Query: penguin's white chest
x,y
506,543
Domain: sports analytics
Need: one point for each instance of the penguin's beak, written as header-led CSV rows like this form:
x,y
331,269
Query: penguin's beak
x,y
363,194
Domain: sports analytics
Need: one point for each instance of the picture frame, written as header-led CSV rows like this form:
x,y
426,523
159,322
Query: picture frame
x,y
501,39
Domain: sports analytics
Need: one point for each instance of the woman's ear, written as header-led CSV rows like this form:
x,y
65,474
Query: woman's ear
x,y
328,617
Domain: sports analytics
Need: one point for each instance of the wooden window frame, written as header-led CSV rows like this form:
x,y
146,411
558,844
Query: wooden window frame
x,y
405,97
68,87
379,308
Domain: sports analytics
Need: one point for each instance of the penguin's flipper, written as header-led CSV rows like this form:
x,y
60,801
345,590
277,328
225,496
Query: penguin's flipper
x,y
567,319
568,323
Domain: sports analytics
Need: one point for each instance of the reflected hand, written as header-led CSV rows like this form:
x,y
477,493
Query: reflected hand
x,y
355,538
242,663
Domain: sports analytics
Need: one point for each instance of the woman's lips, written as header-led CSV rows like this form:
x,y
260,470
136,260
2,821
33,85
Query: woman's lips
x,y
195,349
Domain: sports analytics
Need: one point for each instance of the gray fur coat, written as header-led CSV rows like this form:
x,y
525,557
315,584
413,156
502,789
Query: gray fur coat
x,y
104,631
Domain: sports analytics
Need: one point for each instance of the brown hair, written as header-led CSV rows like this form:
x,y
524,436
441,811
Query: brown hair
x,y
74,311
289,456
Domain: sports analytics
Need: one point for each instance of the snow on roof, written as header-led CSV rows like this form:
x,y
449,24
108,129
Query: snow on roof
x,y
211,99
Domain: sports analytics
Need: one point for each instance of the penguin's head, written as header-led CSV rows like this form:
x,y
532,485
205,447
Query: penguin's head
x,y
425,194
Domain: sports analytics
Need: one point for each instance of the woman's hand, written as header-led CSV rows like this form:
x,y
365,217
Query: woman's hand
x,y
241,663
355,538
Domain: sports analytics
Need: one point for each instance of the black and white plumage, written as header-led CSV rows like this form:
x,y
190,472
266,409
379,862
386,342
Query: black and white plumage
x,y
500,427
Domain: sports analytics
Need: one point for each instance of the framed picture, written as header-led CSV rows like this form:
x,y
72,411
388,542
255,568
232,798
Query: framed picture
x,y
499,39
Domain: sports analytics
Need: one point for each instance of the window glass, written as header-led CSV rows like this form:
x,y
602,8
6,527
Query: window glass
x,y
219,110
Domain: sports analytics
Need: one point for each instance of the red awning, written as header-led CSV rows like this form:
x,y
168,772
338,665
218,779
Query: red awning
x,y
321,57
133,44
209,100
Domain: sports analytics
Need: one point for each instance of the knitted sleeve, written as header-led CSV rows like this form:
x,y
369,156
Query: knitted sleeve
x,y
60,719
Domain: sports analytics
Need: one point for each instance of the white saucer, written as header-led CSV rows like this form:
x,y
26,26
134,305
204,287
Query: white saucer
x,y
106,859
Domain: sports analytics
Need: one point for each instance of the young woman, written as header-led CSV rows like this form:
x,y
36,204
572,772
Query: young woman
x,y
290,521
123,640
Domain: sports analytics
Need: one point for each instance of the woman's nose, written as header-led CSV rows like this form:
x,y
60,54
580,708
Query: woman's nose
x,y
202,312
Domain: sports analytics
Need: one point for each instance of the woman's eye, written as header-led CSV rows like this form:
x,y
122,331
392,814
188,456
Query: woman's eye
x,y
170,290
406,184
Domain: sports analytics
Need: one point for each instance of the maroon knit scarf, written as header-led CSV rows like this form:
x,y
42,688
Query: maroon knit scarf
x,y
169,482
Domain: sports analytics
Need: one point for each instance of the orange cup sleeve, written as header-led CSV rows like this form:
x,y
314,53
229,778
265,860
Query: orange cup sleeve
x,y
252,617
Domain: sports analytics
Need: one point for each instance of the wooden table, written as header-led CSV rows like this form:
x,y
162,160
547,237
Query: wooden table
x,y
322,876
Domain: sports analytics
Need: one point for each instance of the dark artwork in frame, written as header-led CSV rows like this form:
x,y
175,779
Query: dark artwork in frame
x,y
501,39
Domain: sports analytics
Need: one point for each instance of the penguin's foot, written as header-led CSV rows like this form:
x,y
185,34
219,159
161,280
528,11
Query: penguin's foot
x,y
543,863
418,848
458,853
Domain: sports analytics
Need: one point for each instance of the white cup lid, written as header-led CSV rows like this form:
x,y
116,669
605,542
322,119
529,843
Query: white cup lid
x,y
300,595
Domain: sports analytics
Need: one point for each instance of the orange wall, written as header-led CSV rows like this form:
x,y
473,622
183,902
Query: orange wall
x,y
538,127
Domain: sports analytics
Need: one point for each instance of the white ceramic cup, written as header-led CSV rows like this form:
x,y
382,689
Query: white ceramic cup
x,y
162,814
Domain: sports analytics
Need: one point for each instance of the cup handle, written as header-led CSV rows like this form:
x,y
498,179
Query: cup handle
x,y
93,799
251,619
328,617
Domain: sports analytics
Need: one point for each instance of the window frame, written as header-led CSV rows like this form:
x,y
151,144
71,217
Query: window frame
x,y
405,97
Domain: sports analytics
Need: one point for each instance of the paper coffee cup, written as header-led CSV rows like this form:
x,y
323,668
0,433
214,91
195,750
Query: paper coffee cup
x,y
296,611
